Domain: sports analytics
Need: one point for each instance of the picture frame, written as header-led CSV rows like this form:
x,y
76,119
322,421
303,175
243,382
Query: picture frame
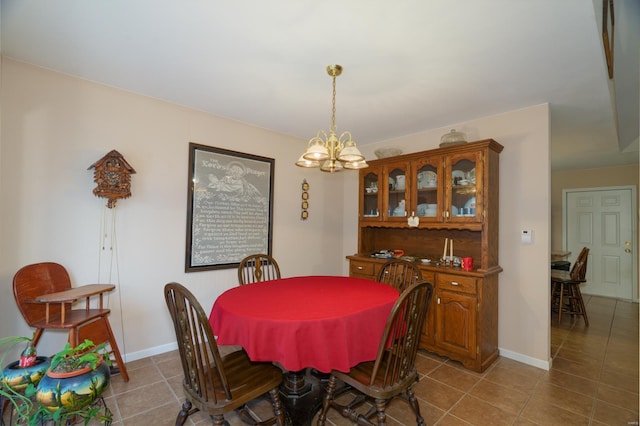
x,y
608,25
229,207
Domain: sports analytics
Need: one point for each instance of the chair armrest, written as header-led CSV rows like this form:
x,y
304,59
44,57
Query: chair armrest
x,y
72,295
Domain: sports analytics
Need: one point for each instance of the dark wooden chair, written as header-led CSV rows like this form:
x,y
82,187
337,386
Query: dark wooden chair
x,y
41,279
393,372
566,296
257,268
214,384
400,274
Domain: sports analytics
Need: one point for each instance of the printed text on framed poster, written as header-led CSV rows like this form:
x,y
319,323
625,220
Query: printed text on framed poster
x,y
229,207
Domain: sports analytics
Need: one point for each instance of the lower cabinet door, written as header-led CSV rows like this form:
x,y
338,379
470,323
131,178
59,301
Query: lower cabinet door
x,y
428,335
456,323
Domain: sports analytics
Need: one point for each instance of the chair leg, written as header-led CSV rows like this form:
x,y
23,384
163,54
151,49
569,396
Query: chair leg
x,y
560,302
381,405
328,396
184,413
277,406
581,306
413,401
36,336
99,331
116,351
218,420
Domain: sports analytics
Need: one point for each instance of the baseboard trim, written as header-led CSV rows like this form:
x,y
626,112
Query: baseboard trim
x,y
535,362
156,350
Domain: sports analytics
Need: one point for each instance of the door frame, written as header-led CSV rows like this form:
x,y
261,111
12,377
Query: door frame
x,y
634,227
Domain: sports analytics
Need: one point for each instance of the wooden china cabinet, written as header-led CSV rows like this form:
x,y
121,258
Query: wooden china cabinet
x,y
453,193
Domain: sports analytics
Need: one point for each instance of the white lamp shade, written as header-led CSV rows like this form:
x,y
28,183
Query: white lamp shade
x,y
316,151
302,162
355,165
331,166
350,153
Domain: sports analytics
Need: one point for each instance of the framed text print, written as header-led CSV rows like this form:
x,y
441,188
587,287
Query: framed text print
x,y
229,207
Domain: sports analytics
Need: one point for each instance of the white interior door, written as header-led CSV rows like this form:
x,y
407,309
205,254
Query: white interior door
x,y
601,219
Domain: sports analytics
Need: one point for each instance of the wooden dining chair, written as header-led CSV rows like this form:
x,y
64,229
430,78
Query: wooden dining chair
x,y
393,372
399,273
258,268
566,295
216,384
39,279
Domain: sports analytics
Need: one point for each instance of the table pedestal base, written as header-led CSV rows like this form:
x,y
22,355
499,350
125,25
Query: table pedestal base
x,y
294,384
302,396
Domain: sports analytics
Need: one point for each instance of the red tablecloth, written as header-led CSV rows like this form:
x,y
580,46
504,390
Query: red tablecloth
x,y
321,322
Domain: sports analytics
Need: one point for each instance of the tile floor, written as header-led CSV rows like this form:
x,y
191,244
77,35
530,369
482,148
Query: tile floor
x,y
593,381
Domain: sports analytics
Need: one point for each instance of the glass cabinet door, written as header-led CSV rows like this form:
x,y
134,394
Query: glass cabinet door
x,y
464,175
397,202
426,195
370,202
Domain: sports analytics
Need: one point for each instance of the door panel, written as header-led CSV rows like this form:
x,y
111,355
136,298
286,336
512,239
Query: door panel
x,y
601,219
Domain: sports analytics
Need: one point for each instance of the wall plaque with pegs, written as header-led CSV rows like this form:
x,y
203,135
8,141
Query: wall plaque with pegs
x,y
304,215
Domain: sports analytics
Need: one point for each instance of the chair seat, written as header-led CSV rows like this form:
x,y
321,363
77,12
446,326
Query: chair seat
x,y
73,318
360,375
240,370
564,277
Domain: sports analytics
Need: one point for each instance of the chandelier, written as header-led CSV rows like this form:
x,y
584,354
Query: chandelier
x,y
330,152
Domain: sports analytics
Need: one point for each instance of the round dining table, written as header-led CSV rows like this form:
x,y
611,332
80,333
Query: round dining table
x,y
323,322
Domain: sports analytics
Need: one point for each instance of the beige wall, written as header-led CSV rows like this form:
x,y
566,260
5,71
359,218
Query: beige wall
x,y
55,126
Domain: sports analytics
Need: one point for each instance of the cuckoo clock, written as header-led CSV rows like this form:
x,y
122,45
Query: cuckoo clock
x,y
113,176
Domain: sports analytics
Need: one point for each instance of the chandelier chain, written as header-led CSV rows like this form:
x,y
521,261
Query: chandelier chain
x,y
333,109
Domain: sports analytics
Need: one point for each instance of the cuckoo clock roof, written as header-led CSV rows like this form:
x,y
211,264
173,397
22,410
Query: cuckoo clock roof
x,y
111,155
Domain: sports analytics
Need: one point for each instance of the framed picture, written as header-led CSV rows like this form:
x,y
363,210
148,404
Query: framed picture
x,y
608,24
229,207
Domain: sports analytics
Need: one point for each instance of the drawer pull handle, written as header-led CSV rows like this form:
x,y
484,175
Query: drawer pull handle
x,y
360,268
454,283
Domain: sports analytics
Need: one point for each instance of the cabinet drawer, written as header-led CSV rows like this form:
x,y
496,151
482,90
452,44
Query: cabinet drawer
x,y
361,268
456,283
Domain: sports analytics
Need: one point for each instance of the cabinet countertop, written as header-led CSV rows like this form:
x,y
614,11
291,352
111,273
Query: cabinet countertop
x,y
433,267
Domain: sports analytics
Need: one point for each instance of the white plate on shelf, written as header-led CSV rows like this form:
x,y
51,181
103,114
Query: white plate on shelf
x,y
427,209
458,174
427,179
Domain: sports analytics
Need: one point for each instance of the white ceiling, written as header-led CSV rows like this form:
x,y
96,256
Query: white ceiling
x,y
409,65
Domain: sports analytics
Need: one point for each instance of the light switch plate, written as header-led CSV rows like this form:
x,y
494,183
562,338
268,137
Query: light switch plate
x,y
527,236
